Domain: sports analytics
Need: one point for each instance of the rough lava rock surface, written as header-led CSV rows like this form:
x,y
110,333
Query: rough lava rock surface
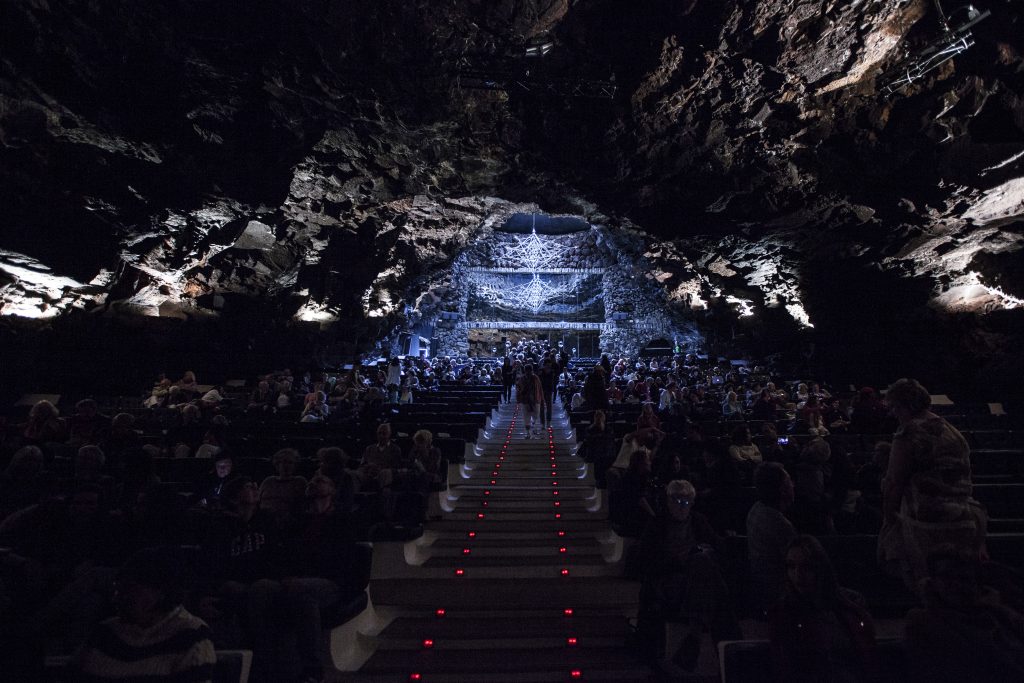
x,y
191,159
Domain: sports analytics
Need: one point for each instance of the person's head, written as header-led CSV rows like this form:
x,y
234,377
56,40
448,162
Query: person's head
x,y
383,433
812,401
123,422
765,395
679,498
741,435
953,576
189,377
241,495
647,410
190,413
773,485
528,368
809,571
150,584
331,459
42,411
84,502
223,466
320,487
769,431
423,438
89,461
87,408
816,452
26,463
600,419
285,462
906,398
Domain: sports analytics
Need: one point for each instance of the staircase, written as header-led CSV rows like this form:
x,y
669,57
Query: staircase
x,y
520,581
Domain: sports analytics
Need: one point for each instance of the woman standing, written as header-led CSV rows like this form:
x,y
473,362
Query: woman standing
x,y
926,492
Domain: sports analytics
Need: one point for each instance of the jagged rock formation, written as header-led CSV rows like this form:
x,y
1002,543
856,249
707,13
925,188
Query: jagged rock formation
x,y
186,159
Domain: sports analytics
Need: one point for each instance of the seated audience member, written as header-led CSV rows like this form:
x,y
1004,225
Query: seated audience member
x,y
334,464
926,493
833,416
743,450
211,491
319,572
769,533
427,461
764,407
868,415
869,483
242,555
379,460
283,494
122,439
670,467
720,490
633,496
263,400
598,447
89,469
158,396
186,437
819,631
681,576
138,474
87,425
189,384
811,474
44,425
732,407
768,443
965,632
23,481
153,637
810,417
316,409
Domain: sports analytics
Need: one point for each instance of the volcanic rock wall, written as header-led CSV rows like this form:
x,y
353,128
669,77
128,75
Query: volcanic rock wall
x,y
313,162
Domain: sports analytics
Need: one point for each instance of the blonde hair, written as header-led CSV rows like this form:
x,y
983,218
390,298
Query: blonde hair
x,y
423,437
680,487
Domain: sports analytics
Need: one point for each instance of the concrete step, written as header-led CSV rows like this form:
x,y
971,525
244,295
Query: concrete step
x,y
500,524
430,662
570,592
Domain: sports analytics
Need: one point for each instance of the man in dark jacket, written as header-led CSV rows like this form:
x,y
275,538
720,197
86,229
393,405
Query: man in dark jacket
x,y
681,576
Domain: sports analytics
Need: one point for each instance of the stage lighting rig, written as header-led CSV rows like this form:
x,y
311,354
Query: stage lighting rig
x,y
954,41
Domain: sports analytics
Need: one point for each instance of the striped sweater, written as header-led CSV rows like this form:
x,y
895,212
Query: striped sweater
x,y
177,649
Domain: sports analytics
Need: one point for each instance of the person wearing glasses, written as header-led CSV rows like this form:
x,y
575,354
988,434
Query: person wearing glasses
x,y
680,576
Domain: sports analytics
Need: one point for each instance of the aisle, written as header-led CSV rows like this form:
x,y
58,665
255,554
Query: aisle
x,y
521,580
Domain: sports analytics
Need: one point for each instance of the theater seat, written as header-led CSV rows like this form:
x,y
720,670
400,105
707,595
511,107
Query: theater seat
x,y
233,666
749,661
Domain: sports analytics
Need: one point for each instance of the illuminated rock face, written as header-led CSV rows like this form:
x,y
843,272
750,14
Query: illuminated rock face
x,y
180,159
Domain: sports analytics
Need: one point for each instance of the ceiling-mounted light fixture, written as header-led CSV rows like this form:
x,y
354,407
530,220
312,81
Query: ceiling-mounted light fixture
x,y
952,42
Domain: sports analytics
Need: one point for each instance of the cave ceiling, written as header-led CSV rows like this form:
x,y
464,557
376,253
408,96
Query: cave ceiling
x,y
157,156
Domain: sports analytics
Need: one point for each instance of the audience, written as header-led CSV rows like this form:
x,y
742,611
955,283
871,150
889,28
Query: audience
x,y
277,559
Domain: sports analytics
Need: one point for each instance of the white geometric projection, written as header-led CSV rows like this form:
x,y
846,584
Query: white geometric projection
x,y
502,290
531,252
